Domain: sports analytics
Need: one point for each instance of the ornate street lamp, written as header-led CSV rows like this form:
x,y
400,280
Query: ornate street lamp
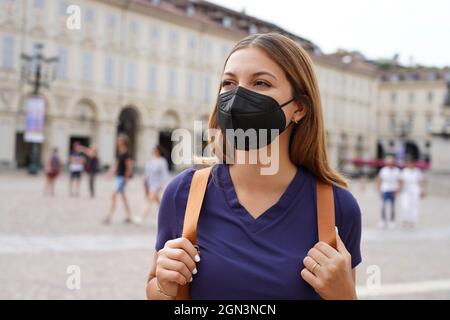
x,y
37,71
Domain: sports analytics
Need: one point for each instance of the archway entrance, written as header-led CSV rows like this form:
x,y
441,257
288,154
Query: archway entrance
x,y
380,151
128,125
83,124
412,151
169,122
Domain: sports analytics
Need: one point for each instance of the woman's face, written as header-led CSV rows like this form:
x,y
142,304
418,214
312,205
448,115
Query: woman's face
x,y
253,69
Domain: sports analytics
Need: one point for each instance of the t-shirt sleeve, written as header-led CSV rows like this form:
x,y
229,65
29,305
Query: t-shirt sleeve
x,y
171,209
348,221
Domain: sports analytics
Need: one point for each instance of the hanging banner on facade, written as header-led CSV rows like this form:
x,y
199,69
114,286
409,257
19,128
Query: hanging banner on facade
x,y
34,119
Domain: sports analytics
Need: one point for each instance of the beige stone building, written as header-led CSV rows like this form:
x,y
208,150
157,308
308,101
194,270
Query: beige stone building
x,y
409,107
146,67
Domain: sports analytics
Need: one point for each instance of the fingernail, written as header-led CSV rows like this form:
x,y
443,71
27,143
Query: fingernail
x,y
190,280
197,258
194,271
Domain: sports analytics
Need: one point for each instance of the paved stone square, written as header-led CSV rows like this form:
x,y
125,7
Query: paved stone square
x,y
42,237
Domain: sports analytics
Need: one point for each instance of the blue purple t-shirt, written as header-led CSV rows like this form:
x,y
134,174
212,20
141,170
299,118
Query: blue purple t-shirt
x,y
247,258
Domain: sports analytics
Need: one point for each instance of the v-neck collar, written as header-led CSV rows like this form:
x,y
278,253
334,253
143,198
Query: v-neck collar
x,y
276,211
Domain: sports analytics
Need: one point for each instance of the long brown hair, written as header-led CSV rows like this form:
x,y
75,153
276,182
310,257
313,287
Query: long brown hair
x,y
308,140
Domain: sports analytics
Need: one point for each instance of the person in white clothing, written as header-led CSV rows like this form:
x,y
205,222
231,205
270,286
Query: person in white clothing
x,y
156,174
412,182
388,187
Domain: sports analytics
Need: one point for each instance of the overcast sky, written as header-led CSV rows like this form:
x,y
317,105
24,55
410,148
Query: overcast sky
x,y
378,28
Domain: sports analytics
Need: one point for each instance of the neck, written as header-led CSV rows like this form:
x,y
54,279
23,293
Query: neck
x,y
278,173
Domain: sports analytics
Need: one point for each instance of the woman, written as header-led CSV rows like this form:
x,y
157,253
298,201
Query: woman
x,y
257,233
76,167
156,174
52,169
122,167
411,185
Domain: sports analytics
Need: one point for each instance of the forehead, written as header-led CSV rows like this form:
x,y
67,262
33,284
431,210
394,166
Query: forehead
x,y
251,60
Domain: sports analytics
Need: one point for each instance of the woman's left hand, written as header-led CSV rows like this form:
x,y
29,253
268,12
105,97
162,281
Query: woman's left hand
x,y
329,271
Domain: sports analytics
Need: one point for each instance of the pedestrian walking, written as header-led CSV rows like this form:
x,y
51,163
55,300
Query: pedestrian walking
x,y
122,168
76,168
52,170
92,167
388,187
156,174
258,231
412,189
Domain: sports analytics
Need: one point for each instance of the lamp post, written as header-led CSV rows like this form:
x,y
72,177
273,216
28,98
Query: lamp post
x,y
37,71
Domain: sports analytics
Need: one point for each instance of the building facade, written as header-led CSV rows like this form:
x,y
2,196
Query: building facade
x,y
409,107
147,67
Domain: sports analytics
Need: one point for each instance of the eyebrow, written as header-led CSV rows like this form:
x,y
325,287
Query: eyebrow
x,y
256,74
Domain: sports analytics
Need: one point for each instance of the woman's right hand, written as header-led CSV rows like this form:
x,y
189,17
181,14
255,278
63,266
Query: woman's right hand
x,y
175,265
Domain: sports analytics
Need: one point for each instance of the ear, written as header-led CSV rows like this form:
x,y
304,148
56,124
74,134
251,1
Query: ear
x,y
300,113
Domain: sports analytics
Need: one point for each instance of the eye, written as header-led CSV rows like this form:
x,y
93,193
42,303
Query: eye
x,y
262,84
227,84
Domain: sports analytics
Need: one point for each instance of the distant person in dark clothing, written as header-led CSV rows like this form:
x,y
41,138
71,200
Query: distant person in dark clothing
x,y
52,170
122,167
76,167
92,166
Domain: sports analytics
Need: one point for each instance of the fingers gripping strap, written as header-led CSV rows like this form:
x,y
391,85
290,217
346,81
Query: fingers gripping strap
x,y
325,214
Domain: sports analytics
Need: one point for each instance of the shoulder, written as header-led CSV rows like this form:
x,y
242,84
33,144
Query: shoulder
x,y
179,185
346,206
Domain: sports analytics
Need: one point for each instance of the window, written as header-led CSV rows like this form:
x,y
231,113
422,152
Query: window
x,y
189,86
207,90
208,47
39,4
61,72
111,21
109,71
393,97
172,83
226,22
409,123
392,123
89,15
8,52
152,79
173,38
133,27
86,70
252,28
131,75
394,77
447,76
192,42
63,5
432,76
224,50
428,122
190,10
155,33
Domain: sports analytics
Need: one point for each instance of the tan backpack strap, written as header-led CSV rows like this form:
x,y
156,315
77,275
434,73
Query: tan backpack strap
x,y
191,215
194,203
326,214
